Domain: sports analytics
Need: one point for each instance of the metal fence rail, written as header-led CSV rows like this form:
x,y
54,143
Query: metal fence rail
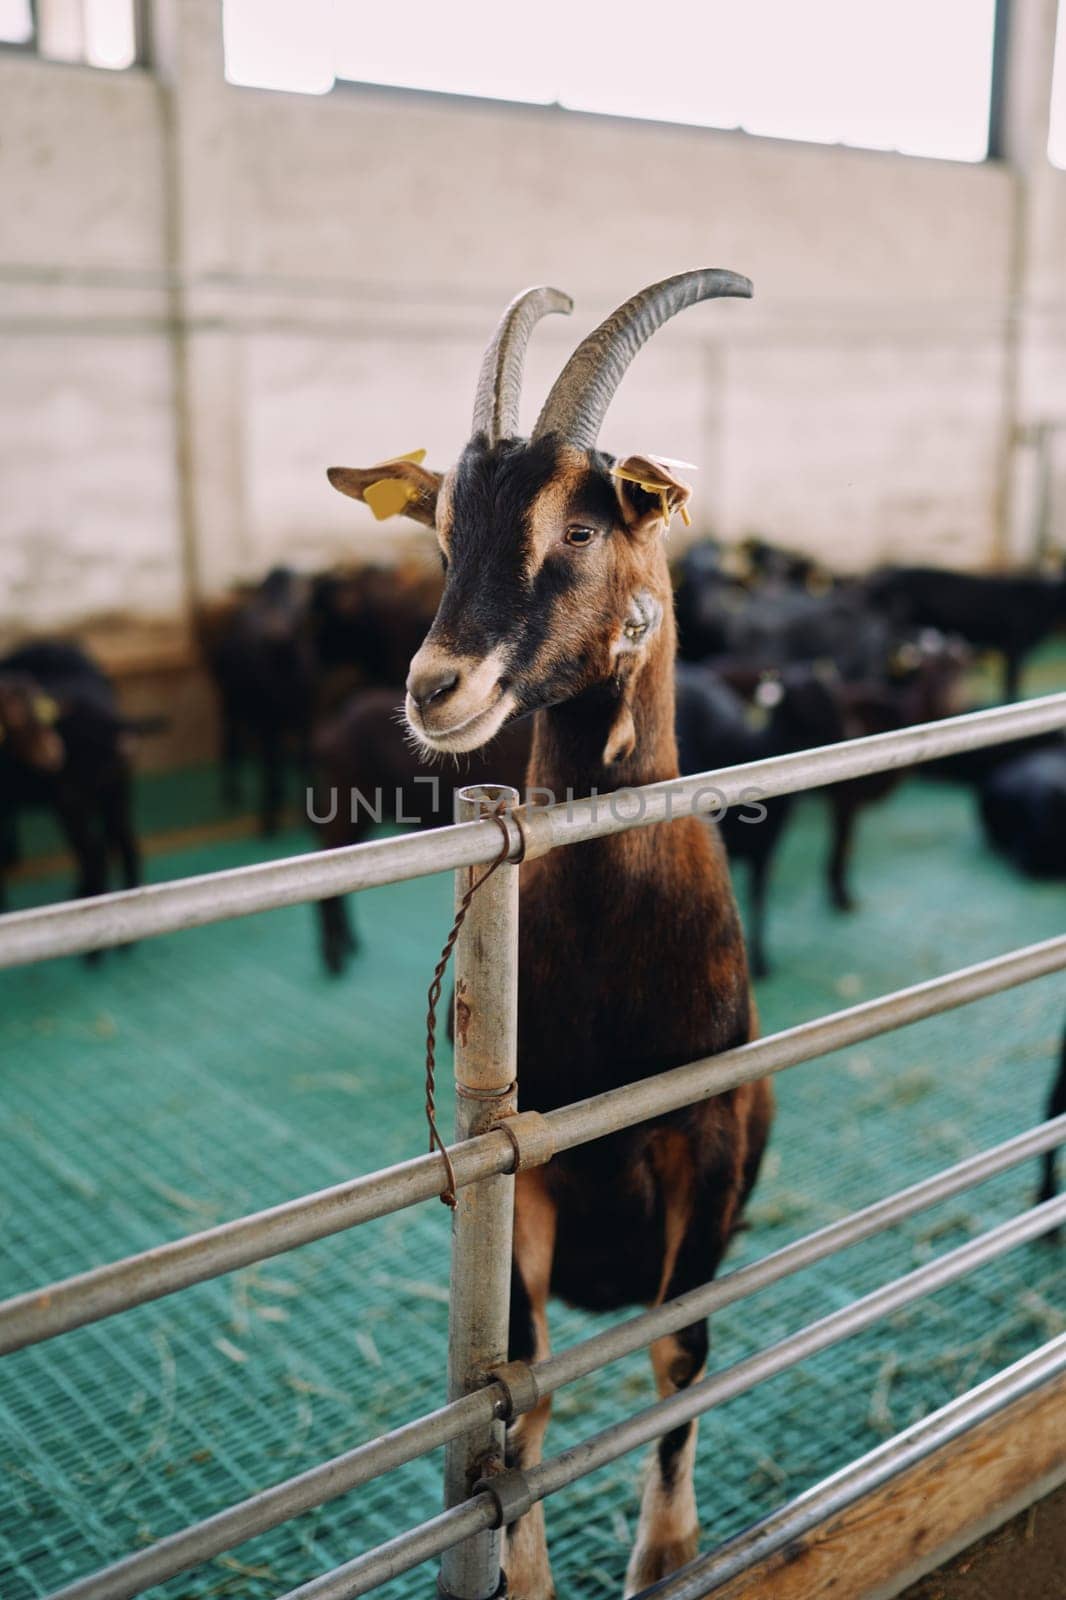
x,y
74,927
852,1483
56,1308
482,1394
512,1494
494,1400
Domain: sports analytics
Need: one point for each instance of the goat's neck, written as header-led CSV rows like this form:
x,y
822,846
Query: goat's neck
x,y
569,740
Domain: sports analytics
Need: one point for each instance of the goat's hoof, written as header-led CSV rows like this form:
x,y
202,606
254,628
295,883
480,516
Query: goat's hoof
x,y
649,1563
336,960
845,902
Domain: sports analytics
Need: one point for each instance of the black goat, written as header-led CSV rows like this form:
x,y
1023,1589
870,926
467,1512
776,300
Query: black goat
x,y
64,748
1056,1105
774,563
263,664
1022,803
919,683
373,619
706,599
810,705
770,627
1011,614
715,728
367,771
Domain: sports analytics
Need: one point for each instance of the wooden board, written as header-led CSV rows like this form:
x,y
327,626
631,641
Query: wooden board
x,y
910,1526
1026,1556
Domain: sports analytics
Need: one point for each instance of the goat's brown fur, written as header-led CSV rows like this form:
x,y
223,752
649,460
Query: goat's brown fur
x,y
631,962
557,601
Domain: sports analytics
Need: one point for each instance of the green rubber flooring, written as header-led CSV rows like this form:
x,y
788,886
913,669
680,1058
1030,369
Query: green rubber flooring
x,y
208,1073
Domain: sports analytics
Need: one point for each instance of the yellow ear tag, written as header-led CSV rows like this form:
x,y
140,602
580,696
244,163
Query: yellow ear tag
x,y
45,708
631,477
389,496
656,489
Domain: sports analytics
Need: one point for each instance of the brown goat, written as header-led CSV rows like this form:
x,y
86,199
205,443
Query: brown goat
x,y
557,601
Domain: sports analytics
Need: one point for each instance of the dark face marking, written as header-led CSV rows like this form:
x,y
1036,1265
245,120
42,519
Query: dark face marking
x,y
483,529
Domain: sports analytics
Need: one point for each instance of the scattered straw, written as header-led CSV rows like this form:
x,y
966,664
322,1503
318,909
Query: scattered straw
x,y
231,1351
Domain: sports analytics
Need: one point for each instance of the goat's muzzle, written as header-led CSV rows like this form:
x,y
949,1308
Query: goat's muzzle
x,y
456,703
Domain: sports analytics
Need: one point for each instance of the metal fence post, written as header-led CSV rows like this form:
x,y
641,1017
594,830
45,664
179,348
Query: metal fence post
x,y
486,1055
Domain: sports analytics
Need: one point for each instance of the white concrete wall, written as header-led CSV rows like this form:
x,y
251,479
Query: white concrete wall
x,y
1038,307
88,505
853,407
337,264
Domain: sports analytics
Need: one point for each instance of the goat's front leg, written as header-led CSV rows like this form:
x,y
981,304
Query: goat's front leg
x,y
525,1555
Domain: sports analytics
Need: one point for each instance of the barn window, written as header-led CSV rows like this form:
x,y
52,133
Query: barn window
x,y
95,33
908,75
272,44
16,22
1056,146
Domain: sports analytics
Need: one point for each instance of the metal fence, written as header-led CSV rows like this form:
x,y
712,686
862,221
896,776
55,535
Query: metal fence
x,y
493,1141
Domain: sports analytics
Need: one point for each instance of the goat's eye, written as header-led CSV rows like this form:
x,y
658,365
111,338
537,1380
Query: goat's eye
x,y
578,534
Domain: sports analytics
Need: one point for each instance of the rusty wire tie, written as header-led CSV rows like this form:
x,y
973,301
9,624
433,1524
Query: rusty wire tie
x,y
497,815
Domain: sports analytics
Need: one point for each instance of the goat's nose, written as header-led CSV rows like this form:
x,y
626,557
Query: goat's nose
x,y
429,685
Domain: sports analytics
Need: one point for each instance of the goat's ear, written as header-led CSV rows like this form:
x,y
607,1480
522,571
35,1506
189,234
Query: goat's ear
x,y
650,492
393,487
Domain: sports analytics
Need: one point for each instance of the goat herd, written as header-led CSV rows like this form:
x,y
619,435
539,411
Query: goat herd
x,y
776,654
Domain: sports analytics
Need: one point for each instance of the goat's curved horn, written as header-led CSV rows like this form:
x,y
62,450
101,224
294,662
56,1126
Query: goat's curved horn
x,y
499,384
578,402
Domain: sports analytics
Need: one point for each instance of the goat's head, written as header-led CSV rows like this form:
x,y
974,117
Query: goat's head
x,y
28,735
556,582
